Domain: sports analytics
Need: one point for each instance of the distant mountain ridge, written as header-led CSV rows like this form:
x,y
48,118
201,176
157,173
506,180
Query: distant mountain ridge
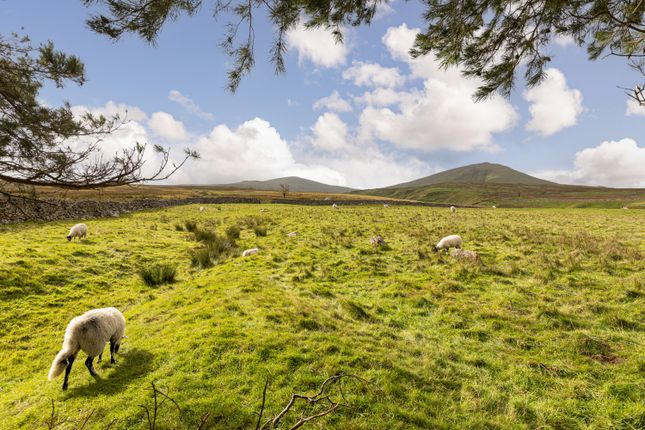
x,y
482,173
490,184
295,183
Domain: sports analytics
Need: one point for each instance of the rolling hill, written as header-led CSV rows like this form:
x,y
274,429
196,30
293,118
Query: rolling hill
x,y
295,183
488,184
483,173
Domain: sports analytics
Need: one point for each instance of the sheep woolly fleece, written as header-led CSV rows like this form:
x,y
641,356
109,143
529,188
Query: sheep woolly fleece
x,y
79,230
89,332
452,241
251,251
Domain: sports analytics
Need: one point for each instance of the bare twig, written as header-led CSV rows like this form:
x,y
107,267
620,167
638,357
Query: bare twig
x,y
87,418
264,397
203,420
53,421
110,424
323,402
323,396
52,418
152,416
305,420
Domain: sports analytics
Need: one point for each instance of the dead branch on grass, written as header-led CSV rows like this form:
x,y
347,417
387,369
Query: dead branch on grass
x,y
325,396
152,417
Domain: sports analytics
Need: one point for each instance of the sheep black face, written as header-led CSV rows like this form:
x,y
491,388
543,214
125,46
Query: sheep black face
x,y
69,238
435,249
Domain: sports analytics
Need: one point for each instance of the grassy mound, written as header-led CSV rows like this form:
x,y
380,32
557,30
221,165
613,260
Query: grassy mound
x,y
547,333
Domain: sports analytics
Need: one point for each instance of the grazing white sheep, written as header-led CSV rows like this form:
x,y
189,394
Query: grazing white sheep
x,y
453,209
89,332
79,230
386,205
625,208
377,241
494,207
251,251
292,234
466,255
452,241
335,206
201,208
327,198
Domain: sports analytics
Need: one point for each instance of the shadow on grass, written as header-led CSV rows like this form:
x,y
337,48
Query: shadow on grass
x,y
17,285
130,366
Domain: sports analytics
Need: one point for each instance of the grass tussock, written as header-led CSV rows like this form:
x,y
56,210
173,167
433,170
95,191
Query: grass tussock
x,y
214,249
158,274
201,257
204,236
260,230
233,232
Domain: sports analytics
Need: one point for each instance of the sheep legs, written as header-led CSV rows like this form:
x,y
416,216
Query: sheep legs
x,y
90,366
114,348
70,361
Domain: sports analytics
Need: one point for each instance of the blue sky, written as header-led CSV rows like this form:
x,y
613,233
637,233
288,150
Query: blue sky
x,y
363,114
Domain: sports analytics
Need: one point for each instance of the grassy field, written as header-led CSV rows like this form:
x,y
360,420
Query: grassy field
x,y
519,195
469,194
549,333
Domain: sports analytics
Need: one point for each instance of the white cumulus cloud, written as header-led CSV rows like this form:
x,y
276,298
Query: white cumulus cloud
x,y
612,163
124,137
318,46
110,109
253,150
387,97
633,108
441,115
372,168
164,125
399,40
383,9
329,132
372,74
333,102
552,104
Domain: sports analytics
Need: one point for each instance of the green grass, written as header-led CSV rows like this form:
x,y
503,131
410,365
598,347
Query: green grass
x,y
158,274
548,333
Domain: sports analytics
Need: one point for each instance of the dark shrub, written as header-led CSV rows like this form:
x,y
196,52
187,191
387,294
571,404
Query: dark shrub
x,y
233,232
221,247
201,257
205,236
158,274
260,230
